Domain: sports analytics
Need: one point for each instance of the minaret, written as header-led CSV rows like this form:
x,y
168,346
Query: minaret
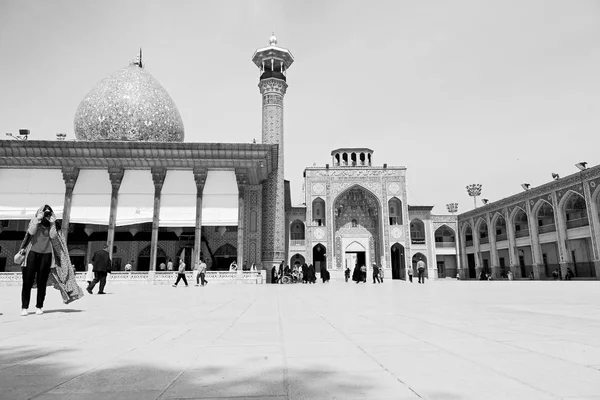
x,y
273,62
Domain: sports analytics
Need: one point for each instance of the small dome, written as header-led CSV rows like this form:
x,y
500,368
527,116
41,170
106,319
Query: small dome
x,y
129,104
273,40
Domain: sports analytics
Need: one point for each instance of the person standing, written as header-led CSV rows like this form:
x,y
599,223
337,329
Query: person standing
x,y
347,273
376,278
162,267
102,265
37,251
380,275
129,266
202,273
409,272
421,270
363,273
181,274
170,265
233,266
196,273
325,274
304,273
274,278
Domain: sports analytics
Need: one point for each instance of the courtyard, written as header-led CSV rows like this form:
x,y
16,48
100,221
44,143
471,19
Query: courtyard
x,y
442,340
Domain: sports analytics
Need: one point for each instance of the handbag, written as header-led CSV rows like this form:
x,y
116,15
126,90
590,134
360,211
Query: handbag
x,y
19,257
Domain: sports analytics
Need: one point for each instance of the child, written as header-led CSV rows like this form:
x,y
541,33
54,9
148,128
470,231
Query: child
x,y
347,273
89,276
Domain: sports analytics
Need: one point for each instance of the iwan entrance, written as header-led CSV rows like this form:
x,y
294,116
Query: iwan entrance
x,y
355,254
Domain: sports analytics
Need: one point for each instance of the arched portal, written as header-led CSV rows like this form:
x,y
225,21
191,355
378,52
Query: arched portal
x,y
545,218
415,260
398,264
356,222
297,260
395,209
319,256
521,223
224,256
143,263
483,232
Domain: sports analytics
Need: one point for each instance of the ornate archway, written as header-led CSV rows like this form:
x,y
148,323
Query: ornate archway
x,y
224,256
356,220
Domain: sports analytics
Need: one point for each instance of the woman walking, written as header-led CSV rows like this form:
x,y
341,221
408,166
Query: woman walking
x,y
44,259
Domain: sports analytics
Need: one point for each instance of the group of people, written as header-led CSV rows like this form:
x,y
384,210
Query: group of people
x,y
304,273
360,274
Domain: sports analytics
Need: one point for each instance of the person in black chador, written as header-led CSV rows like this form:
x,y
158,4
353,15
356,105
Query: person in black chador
x,y
356,274
304,273
312,277
324,274
274,274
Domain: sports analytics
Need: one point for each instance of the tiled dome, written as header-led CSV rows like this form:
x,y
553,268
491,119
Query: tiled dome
x,y
129,104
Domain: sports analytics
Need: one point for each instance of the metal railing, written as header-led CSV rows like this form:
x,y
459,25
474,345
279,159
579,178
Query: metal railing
x,y
297,243
445,244
297,236
501,237
484,240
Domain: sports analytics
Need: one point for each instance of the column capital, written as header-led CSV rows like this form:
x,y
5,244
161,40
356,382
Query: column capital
x,y
70,175
115,175
272,86
158,177
200,174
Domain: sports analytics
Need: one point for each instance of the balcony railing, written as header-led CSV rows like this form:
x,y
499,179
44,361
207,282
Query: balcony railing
x,y
484,240
445,244
522,233
417,240
547,228
297,243
501,237
297,236
576,223
468,243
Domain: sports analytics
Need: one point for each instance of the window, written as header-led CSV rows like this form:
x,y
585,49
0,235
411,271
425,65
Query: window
x,y
354,223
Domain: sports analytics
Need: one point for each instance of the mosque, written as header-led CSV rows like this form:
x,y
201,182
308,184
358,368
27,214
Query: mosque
x,y
131,181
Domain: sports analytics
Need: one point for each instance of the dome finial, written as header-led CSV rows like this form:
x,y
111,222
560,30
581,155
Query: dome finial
x,y
138,60
272,39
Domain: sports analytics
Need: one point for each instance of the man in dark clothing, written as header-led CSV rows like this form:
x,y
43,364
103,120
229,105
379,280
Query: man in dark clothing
x,y
376,277
102,266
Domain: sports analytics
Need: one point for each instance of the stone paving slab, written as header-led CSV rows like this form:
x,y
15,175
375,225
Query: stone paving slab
x,y
443,340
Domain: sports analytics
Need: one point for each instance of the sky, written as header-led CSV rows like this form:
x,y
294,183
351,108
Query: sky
x,y
498,93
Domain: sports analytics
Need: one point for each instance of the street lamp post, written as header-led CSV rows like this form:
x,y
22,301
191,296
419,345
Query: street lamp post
x,y
474,190
452,207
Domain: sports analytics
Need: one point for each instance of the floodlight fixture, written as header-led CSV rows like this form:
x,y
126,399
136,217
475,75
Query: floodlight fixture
x,y
581,165
485,201
526,186
555,176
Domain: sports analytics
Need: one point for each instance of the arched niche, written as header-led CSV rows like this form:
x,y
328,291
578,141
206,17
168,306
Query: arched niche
x,y
520,222
417,231
575,210
318,211
395,211
546,220
297,230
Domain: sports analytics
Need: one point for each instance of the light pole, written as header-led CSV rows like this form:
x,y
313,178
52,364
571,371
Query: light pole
x,y
452,207
23,133
474,190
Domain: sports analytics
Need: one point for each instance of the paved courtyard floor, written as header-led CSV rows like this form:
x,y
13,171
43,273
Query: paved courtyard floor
x,y
442,340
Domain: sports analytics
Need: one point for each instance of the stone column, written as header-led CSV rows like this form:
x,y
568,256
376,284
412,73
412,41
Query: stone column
x,y
200,178
70,175
158,177
561,236
116,177
477,247
459,264
512,246
593,216
242,180
494,260
536,248
464,271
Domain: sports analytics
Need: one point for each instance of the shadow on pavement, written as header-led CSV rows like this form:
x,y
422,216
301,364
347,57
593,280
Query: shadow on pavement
x,y
31,372
63,310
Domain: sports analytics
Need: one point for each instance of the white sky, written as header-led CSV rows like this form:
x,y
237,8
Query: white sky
x,y
492,92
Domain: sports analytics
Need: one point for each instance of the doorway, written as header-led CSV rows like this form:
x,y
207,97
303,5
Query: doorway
x,y
319,257
398,271
471,263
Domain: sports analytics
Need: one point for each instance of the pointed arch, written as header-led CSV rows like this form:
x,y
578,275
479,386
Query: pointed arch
x,y
318,211
482,230
445,236
574,208
467,234
395,211
544,216
297,230
520,222
417,231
